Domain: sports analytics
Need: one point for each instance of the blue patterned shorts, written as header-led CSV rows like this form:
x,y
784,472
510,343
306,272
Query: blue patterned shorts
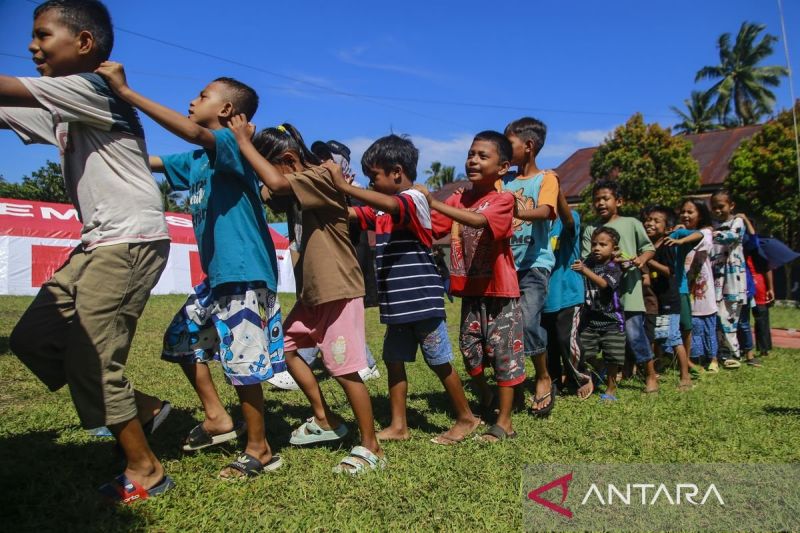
x,y
401,342
238,324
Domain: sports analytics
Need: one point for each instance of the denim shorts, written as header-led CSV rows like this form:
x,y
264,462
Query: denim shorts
x,y
704,336
636,333
668,331
401,341
533,291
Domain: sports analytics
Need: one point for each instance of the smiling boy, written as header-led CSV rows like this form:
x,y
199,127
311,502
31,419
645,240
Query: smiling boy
x,y
79,327
484,276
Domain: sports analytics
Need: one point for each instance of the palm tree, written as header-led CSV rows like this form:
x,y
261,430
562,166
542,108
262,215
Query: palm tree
x,y
439,175
699,115
170,197
740,79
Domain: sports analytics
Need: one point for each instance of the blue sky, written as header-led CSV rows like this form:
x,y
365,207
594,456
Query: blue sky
x,y
354,71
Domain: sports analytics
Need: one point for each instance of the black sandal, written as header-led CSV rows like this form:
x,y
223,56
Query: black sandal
x,y
249,466
547,409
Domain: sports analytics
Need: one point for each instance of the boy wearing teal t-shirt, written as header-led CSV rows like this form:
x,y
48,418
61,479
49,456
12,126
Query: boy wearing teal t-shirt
x,y
536,192
233,316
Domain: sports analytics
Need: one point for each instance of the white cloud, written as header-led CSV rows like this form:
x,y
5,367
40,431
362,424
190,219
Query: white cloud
x,y
592,137
560,146
449,151
355,56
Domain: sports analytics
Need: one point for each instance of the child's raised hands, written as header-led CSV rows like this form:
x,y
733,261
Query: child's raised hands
x,y
339,181
114,74
241,128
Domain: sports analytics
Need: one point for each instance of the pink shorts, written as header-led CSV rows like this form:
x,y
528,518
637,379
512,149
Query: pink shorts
x,y
336,328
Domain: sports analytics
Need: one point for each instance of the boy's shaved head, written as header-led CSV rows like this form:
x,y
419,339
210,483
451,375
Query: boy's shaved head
x,y
243,97
529,129
500,141
84,15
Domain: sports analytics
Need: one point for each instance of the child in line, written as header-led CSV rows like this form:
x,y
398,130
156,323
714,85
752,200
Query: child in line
x,y
79,327
763,292
233,316
484,276
695,215
562,306
665,283
329,312
410,291
729,265
536,193
603,322
633,243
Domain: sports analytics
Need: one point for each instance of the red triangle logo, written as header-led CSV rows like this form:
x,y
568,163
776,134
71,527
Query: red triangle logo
x,y
562,482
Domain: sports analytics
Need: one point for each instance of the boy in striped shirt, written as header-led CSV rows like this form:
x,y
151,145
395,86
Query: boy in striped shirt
x,y
410,291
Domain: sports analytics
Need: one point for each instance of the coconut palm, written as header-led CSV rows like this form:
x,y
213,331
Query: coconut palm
x,y
740,79
439,175
699,115
170,197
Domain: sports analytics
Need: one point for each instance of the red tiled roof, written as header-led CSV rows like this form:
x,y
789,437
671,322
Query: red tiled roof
x,y
712,150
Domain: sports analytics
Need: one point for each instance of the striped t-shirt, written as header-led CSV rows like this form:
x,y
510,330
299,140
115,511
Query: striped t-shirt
x,y
409,286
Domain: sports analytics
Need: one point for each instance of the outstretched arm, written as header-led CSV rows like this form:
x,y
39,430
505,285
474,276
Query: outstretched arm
x,y
168,118
464,216
266,171
374,199
13,93
156,165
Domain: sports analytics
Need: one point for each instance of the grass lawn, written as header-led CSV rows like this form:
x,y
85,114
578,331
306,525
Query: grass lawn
x,y
784,316
50,466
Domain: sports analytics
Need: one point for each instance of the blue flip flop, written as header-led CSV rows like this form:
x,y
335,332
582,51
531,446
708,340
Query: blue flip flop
x,y
608,397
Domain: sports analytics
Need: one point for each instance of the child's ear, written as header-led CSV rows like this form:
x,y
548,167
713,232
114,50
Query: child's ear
x,y
85,41
529,147
504,168
397,173
227,110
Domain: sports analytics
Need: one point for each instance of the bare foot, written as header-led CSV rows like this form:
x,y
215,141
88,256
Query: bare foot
x,y
391,433
651,384
685,385
458,432
585,390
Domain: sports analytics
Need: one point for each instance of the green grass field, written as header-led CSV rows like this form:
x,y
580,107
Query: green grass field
x,y
50,467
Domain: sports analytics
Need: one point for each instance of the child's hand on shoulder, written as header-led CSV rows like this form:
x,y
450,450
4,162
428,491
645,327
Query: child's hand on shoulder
x,y
241,128
114,74
424,190
339,181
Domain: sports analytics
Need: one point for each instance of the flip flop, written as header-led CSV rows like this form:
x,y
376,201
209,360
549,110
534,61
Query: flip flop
x,y
608,397
310,432
200,438
360,460
547,409
754,362
249,466
126,491
731,364
154,423
498,433
443,440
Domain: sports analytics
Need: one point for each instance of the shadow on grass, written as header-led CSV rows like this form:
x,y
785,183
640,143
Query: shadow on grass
x,y
782,411
4,346
51,486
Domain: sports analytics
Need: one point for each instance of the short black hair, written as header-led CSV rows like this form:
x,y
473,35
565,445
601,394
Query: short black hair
x,y
668,212
500,141
322,150
338,148
723,192
389,151
702,209
84,15
611,185
272,142
529,129
611,232
243,97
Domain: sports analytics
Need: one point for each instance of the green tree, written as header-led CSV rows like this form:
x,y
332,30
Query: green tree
x,y
764,181
173,201
43,185
439,175
699,115
649,163
740,80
